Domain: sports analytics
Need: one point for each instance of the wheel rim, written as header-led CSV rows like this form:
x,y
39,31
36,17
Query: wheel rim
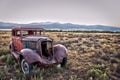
x,y
25,66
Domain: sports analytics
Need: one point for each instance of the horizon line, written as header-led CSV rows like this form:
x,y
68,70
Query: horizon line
x,y
30,22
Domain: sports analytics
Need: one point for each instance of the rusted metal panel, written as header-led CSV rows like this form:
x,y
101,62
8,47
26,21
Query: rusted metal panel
x,y
27,28
17,42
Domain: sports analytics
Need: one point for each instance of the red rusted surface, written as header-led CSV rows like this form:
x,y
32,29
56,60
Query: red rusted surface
x,y
17,43
27,28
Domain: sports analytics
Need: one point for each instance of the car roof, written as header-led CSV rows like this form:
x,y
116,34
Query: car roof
x,y
27,28
36,38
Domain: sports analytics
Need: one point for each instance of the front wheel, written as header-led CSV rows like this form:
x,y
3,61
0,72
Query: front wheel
x,y
63,63
25,66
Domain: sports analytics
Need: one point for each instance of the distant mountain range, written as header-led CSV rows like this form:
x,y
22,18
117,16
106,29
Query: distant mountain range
x,y
62,26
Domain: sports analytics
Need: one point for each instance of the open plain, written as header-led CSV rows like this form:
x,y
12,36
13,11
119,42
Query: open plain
x,y
91,56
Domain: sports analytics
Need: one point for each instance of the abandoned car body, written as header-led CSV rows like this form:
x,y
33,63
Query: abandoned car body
x,y
30,47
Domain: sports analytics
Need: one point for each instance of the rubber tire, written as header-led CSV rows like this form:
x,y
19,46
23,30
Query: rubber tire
x,y
64,62
28,66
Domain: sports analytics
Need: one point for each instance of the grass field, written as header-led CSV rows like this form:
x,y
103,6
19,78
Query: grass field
x,y
91,56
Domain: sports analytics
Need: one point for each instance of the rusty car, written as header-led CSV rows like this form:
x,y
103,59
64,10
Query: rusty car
x,y
29,46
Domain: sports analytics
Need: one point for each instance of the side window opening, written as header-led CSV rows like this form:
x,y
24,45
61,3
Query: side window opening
x,y
32,32
27,32
30,44
16,33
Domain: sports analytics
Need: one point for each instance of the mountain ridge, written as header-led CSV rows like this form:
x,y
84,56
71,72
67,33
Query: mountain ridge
x,y
61,26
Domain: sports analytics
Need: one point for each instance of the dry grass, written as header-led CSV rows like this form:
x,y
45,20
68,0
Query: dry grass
x,y
91,56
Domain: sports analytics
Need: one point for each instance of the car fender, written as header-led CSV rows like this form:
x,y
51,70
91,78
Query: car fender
x,y
60,52
30,56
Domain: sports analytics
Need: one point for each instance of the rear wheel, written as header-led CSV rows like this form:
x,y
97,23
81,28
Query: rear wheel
x,y
25,66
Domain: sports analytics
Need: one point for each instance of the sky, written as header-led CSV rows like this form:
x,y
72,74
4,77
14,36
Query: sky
x,y
85,12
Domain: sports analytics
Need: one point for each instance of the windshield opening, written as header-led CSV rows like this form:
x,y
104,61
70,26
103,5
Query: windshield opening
x,y
46,47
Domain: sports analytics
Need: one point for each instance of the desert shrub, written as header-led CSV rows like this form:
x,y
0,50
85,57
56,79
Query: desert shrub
x,y
32,76
21,76
94,73
100,67
2,74
74,77
16,66
99,72
3,58
4,51
104,77
9,59
37,77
